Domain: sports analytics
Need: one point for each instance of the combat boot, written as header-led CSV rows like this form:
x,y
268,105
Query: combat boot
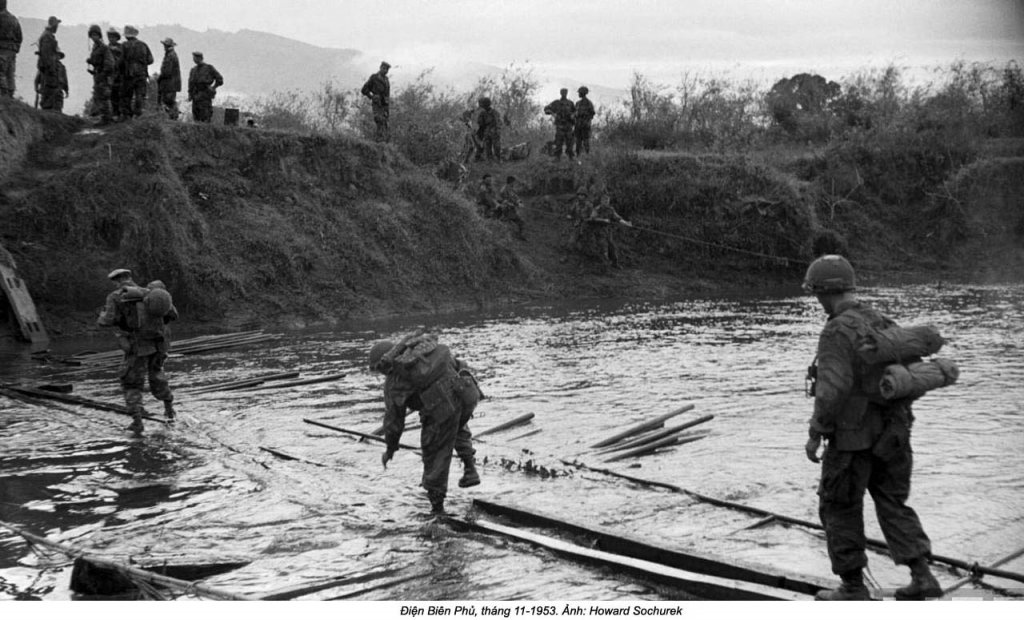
x,y
851,589
470,477
436,502
169,412
922,583
136,425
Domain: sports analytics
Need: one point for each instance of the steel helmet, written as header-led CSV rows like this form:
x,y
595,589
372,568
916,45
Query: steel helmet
x,y
830,274
583,90
95,30
377,352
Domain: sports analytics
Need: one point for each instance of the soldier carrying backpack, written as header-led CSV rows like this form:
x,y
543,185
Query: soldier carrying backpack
x,y
422,375
141,316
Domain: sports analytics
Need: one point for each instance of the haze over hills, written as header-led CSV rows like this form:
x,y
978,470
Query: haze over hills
x,y
257,64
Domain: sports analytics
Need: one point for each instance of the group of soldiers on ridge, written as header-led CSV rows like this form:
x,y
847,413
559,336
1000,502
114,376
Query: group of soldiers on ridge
x,y
119,70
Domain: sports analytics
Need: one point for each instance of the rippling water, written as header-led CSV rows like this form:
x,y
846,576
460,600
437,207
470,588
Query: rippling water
x,y
207,487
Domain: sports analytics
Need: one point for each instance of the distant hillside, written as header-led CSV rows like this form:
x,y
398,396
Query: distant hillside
x,y
258,63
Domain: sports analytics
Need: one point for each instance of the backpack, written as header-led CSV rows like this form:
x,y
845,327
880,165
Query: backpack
x,y
420,360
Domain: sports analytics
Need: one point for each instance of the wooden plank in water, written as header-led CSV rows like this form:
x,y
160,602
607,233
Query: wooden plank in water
x,y
24,309
657,552
700,585
643,426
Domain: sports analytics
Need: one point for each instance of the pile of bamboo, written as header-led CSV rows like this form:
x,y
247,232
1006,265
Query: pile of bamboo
x,y
650,437
189,346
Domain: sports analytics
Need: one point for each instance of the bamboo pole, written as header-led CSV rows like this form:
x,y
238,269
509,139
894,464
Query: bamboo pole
x,y
524,435
1003,560
228,385
141,574
647,448
356,433
974,567
309,381
523,419
642,427
667,432
78,400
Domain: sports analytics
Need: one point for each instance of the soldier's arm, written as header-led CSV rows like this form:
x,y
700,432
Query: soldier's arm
x,y
172,315
108,315
835,379
218,79
394,418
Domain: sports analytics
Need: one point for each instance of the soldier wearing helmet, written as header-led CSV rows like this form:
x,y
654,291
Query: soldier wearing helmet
x,y
48,82
378,90
488,132
422,375
117,79
867,442
140,317
584,115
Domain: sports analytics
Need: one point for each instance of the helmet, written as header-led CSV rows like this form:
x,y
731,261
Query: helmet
x,y
377,352
485,102
131,31
583,90
117,273
113,33
95,30
830,274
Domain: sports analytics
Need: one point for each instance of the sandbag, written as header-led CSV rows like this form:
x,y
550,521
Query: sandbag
x,y
913,380
896,344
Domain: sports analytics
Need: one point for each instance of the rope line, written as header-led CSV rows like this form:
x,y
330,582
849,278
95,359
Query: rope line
x,y
711,244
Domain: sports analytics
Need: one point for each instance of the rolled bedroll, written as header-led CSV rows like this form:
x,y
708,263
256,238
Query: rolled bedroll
x,y
913,380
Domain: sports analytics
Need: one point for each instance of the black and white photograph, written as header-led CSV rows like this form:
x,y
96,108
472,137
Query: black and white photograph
x,y
515,309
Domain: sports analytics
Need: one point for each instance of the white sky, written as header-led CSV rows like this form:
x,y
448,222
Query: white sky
x,y
604,40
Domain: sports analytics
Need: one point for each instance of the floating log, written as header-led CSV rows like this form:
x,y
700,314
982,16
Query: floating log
x,y
309,381
628,545
533,432
140,575
639,428
523,419
32,401
292,593
78,400
1003,560
240,383
656,435
289,457
654,445
986,570
356,433
87,577
380,586
705,586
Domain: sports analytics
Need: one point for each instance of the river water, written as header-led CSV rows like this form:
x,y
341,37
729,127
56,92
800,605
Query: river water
x,y
209,487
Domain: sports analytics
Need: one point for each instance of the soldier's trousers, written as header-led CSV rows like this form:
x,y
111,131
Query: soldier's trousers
x,y
582,134
445,430
490,147
382,119
101,99
7,61
169,101
563,137
845,476
202,109
134,90
135,370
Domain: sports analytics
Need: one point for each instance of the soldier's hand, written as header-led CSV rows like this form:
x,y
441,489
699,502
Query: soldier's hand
x,y
811,447
386,457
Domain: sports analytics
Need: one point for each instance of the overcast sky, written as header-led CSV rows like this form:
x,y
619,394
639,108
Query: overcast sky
x,y
604,40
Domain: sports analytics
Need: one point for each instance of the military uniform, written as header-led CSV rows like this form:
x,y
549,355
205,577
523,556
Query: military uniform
x,y
203,80
445,429
508,209
488,134
869,446
487,198
563,110
102,62
117,98
10,45
51,94
169,82
378,89
599,233
136,57
145,341
581,130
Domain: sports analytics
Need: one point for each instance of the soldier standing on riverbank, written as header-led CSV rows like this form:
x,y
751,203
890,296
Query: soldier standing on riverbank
x,y
867,443
563,112
10,45
599,231
509,205
422,375
203,82
169,82
136,57
101,66
378,90
140,317
51,95
584,115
